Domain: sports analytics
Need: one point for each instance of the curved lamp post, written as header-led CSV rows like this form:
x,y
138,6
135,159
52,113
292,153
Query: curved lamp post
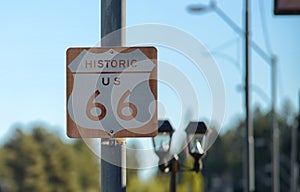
x,y
249,139
270,59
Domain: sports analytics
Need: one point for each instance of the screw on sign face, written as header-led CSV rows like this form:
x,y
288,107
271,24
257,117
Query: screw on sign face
x,y
112,92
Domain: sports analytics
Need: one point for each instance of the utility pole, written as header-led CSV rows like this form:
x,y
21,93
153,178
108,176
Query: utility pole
x,y
249,168
249,140
113,151
275,131
294,165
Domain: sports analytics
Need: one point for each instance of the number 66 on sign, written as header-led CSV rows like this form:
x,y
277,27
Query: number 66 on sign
x,y
112,92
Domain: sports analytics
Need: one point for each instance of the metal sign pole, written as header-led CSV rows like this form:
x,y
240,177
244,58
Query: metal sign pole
x,y
250,173
113,151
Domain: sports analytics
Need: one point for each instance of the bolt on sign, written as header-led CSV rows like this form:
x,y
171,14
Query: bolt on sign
x,y
112,92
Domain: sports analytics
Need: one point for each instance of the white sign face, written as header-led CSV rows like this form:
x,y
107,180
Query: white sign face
x,y
112,92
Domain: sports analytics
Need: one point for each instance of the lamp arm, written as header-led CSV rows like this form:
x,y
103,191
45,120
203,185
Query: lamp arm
x,y
241,32
229,21
269,59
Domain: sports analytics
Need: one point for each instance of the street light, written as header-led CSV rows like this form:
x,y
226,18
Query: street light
x,y
271,60
249,139
202,8
162,143
195,132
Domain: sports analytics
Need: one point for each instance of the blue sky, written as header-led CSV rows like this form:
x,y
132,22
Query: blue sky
x,y
35,35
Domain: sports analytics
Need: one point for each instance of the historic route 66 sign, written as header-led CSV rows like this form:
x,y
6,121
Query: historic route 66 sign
x,y
112,92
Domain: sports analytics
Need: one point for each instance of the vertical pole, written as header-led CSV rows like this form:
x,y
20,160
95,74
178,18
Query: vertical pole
x,y
173,182
276,160
113,151
174,170
249,128
293,158
294,167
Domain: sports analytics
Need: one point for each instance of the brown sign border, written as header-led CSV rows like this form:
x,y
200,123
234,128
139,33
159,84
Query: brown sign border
x,y
76,131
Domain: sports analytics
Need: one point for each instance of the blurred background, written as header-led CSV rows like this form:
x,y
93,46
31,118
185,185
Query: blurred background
x,y
35,153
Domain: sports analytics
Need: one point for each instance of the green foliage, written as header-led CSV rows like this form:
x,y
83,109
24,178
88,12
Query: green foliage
x,y
87,166
186,181
157,184
189,181
42,162
225,160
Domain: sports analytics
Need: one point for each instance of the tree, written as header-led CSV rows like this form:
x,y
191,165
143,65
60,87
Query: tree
x,y
88,167
24,163
229,148
40,161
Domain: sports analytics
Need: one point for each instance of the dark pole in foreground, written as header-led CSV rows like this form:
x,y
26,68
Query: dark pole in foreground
x,y
113,151
173,182
174,170
249,129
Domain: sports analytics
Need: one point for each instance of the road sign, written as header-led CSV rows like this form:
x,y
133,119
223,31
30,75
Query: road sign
x,y
286,7
112,92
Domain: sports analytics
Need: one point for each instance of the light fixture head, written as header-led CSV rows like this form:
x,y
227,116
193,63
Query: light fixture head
x,y
201,8
195,133
162,142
